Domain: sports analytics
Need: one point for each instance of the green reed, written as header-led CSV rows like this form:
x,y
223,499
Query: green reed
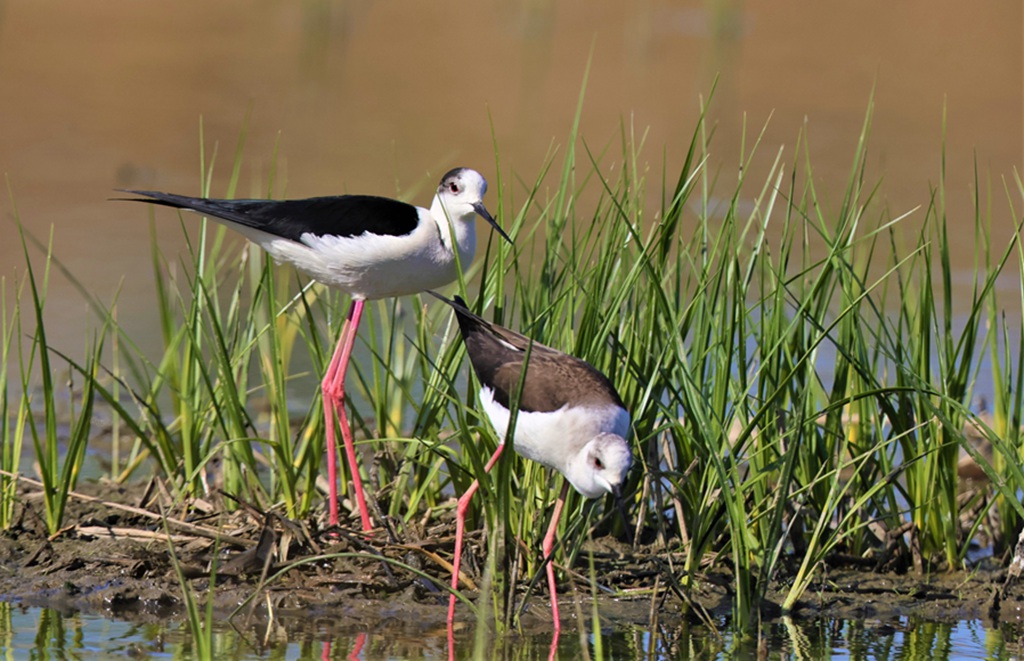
x,y
1007,361
59,475
200,619
14,416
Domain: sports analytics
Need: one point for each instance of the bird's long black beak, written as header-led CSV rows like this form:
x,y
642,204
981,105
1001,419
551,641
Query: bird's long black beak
x,y
486,215
617,492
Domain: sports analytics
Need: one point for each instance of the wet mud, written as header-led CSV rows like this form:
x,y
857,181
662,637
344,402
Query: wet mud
x,y
118,557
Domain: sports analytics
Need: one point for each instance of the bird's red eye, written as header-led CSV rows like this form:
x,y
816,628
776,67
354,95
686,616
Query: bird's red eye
x,y
453,187
598,464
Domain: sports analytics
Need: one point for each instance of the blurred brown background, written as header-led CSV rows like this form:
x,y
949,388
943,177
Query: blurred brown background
x,y
383,97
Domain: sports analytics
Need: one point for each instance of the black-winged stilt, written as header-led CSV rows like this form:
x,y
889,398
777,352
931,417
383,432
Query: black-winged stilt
x,y
570,419
370,247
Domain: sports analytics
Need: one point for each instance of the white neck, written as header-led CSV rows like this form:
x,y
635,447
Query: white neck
x,y
463,226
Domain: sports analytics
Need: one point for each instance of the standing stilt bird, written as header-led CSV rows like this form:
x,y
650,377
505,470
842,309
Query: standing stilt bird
x,y
570,418
369,247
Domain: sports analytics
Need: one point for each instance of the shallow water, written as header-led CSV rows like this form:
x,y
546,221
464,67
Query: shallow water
x,y
44,633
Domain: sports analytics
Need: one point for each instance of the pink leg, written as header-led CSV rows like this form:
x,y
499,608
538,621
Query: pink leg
x,y
547,547
357,647
460,527
554,645
333,388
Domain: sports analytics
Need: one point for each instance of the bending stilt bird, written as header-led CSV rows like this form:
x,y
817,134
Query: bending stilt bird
x,y
570,418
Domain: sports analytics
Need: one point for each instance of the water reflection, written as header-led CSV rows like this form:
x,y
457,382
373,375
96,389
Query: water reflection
x,y
44,634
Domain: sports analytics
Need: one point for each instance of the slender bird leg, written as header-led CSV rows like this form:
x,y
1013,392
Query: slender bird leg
x,y
332,461
357,648
333,388
548,546
553,650
460,528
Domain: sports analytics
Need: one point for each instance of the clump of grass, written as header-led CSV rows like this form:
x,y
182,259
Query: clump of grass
x,y
800,378
58,476
785,410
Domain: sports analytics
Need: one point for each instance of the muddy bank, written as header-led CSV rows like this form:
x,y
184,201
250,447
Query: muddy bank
x,y
113,558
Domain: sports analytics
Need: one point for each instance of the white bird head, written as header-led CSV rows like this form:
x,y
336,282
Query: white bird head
x,y
601,466
461,195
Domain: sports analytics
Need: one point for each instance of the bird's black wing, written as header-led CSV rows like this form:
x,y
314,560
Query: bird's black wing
x,y
337,215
